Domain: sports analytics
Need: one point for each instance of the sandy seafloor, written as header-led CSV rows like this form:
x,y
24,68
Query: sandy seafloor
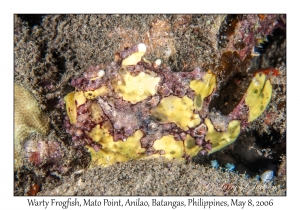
x,y
49,50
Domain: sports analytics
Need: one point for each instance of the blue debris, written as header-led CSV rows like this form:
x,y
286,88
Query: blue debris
x,y
215,164
246,176
230,166
257,177
267,176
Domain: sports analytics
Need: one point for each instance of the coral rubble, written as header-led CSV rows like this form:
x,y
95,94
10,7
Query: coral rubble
x,y
28,118
134,109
